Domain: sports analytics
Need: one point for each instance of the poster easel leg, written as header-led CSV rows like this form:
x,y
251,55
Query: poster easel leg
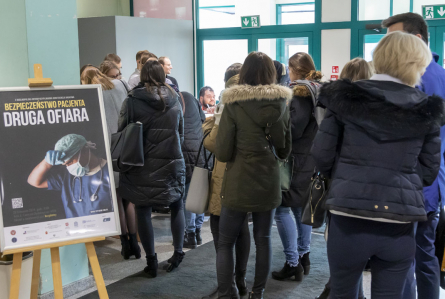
x,y
35,274
57,273
97,273
15,278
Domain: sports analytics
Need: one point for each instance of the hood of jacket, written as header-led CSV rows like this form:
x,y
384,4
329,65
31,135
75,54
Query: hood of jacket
x,y
386,110
152,98
265,104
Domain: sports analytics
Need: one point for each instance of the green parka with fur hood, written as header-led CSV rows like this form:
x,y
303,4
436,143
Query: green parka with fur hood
x,y
252,176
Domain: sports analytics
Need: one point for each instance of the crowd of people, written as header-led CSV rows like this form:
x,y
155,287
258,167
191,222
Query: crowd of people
x,y
379,145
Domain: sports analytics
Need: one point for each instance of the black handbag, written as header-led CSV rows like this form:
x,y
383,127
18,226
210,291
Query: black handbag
x,y
127,146
314,212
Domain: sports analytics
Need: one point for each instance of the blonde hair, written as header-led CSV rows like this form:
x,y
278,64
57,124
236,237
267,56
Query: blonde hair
x,y
357,69
403,56
107,66
92,75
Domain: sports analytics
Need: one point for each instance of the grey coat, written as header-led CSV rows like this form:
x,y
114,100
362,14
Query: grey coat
x,y
113,100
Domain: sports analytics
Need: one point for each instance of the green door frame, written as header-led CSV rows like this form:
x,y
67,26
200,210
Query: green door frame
x,y
256,37
358,30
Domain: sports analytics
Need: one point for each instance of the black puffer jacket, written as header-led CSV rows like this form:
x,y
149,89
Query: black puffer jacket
x,y
380,144
304,129
162,178
193,119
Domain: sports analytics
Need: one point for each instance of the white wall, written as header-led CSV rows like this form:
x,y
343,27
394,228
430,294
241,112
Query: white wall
x,y
172,38
336,11
335,50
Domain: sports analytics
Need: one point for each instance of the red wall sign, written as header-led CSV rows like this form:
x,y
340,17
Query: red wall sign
x,y
334,77
335,69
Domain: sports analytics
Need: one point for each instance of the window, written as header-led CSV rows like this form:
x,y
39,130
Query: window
x,y
382,9
228,13
218,56
218,17
371,42
282,48
301,13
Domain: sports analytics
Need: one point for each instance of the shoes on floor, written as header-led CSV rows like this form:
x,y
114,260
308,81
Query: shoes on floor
x,y
175,260
134,246
306,263
324,294
152,266
198,236
190,241
126,250
288,272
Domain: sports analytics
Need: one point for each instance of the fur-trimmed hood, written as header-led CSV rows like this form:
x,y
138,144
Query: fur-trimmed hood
x,y
265,104
386,110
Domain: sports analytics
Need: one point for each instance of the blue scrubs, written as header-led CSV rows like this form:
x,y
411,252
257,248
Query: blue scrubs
x,y
76,193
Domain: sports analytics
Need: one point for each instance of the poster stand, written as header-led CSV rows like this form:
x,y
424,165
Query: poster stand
x,y
39,81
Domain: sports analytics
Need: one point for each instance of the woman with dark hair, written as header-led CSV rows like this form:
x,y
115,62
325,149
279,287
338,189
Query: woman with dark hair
x,y
254,109
304,128
161,181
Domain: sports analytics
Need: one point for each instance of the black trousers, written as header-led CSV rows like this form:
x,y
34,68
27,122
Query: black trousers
x,y
145,227
352,241
242,245
230,225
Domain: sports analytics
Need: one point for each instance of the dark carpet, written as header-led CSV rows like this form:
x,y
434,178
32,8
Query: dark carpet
x,y
196,276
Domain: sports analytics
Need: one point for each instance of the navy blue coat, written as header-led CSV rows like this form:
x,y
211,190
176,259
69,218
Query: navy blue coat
x,y
433,83
380,145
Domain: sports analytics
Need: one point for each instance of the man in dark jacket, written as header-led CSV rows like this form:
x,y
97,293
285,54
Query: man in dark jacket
x,y
193,120
426,267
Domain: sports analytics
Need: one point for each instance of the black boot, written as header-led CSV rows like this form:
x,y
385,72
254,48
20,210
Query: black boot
x,y
190,242
152,266
256,295
288,271
126,250
240,280
198,236
175,260
324,294
212,295
234,294
306,263
134,246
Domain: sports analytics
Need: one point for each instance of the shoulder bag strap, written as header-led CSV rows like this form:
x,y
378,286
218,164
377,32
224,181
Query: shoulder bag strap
x,y
125,85
130,113
183,103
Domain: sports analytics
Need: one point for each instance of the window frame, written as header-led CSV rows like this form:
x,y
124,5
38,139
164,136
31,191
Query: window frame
x,y
280,6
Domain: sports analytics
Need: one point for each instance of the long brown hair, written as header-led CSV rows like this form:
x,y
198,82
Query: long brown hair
x,y
303,65
153,75
92,75
258,69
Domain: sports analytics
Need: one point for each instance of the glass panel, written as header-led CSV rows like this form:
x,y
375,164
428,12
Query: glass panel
x,y
228,13
282,48
443,51
297,14
371,42
400,6
218,56
417,4
373,9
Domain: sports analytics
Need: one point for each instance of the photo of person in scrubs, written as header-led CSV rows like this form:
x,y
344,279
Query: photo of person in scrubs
x,y
73,169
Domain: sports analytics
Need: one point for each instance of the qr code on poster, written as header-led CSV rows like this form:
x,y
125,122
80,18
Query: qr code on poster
x,y
17,203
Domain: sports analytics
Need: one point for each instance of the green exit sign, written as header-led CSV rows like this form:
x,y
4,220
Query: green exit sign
x,y
250,22
433,12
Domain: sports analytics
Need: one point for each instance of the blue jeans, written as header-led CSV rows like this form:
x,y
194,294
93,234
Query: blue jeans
x,y
192,221
293,247
425,266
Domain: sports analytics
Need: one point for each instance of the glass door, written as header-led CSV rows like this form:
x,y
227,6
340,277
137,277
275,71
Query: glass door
x,y
281,47
368,40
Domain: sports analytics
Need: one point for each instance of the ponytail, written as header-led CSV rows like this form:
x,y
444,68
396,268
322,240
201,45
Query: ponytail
x,y
314,76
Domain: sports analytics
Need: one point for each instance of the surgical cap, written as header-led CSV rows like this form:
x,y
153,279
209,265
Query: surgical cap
x,y
70,144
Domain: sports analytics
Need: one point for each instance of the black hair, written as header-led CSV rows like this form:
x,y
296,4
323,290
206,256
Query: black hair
x,y
412,23
153,75
279,68
203,90
232,70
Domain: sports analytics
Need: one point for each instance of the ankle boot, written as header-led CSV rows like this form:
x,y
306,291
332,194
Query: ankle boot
x,y
175,260
324,294
152,266
198,236
234,294
306,263
134,246
240,280
256,295
126,250
288,271
190,242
